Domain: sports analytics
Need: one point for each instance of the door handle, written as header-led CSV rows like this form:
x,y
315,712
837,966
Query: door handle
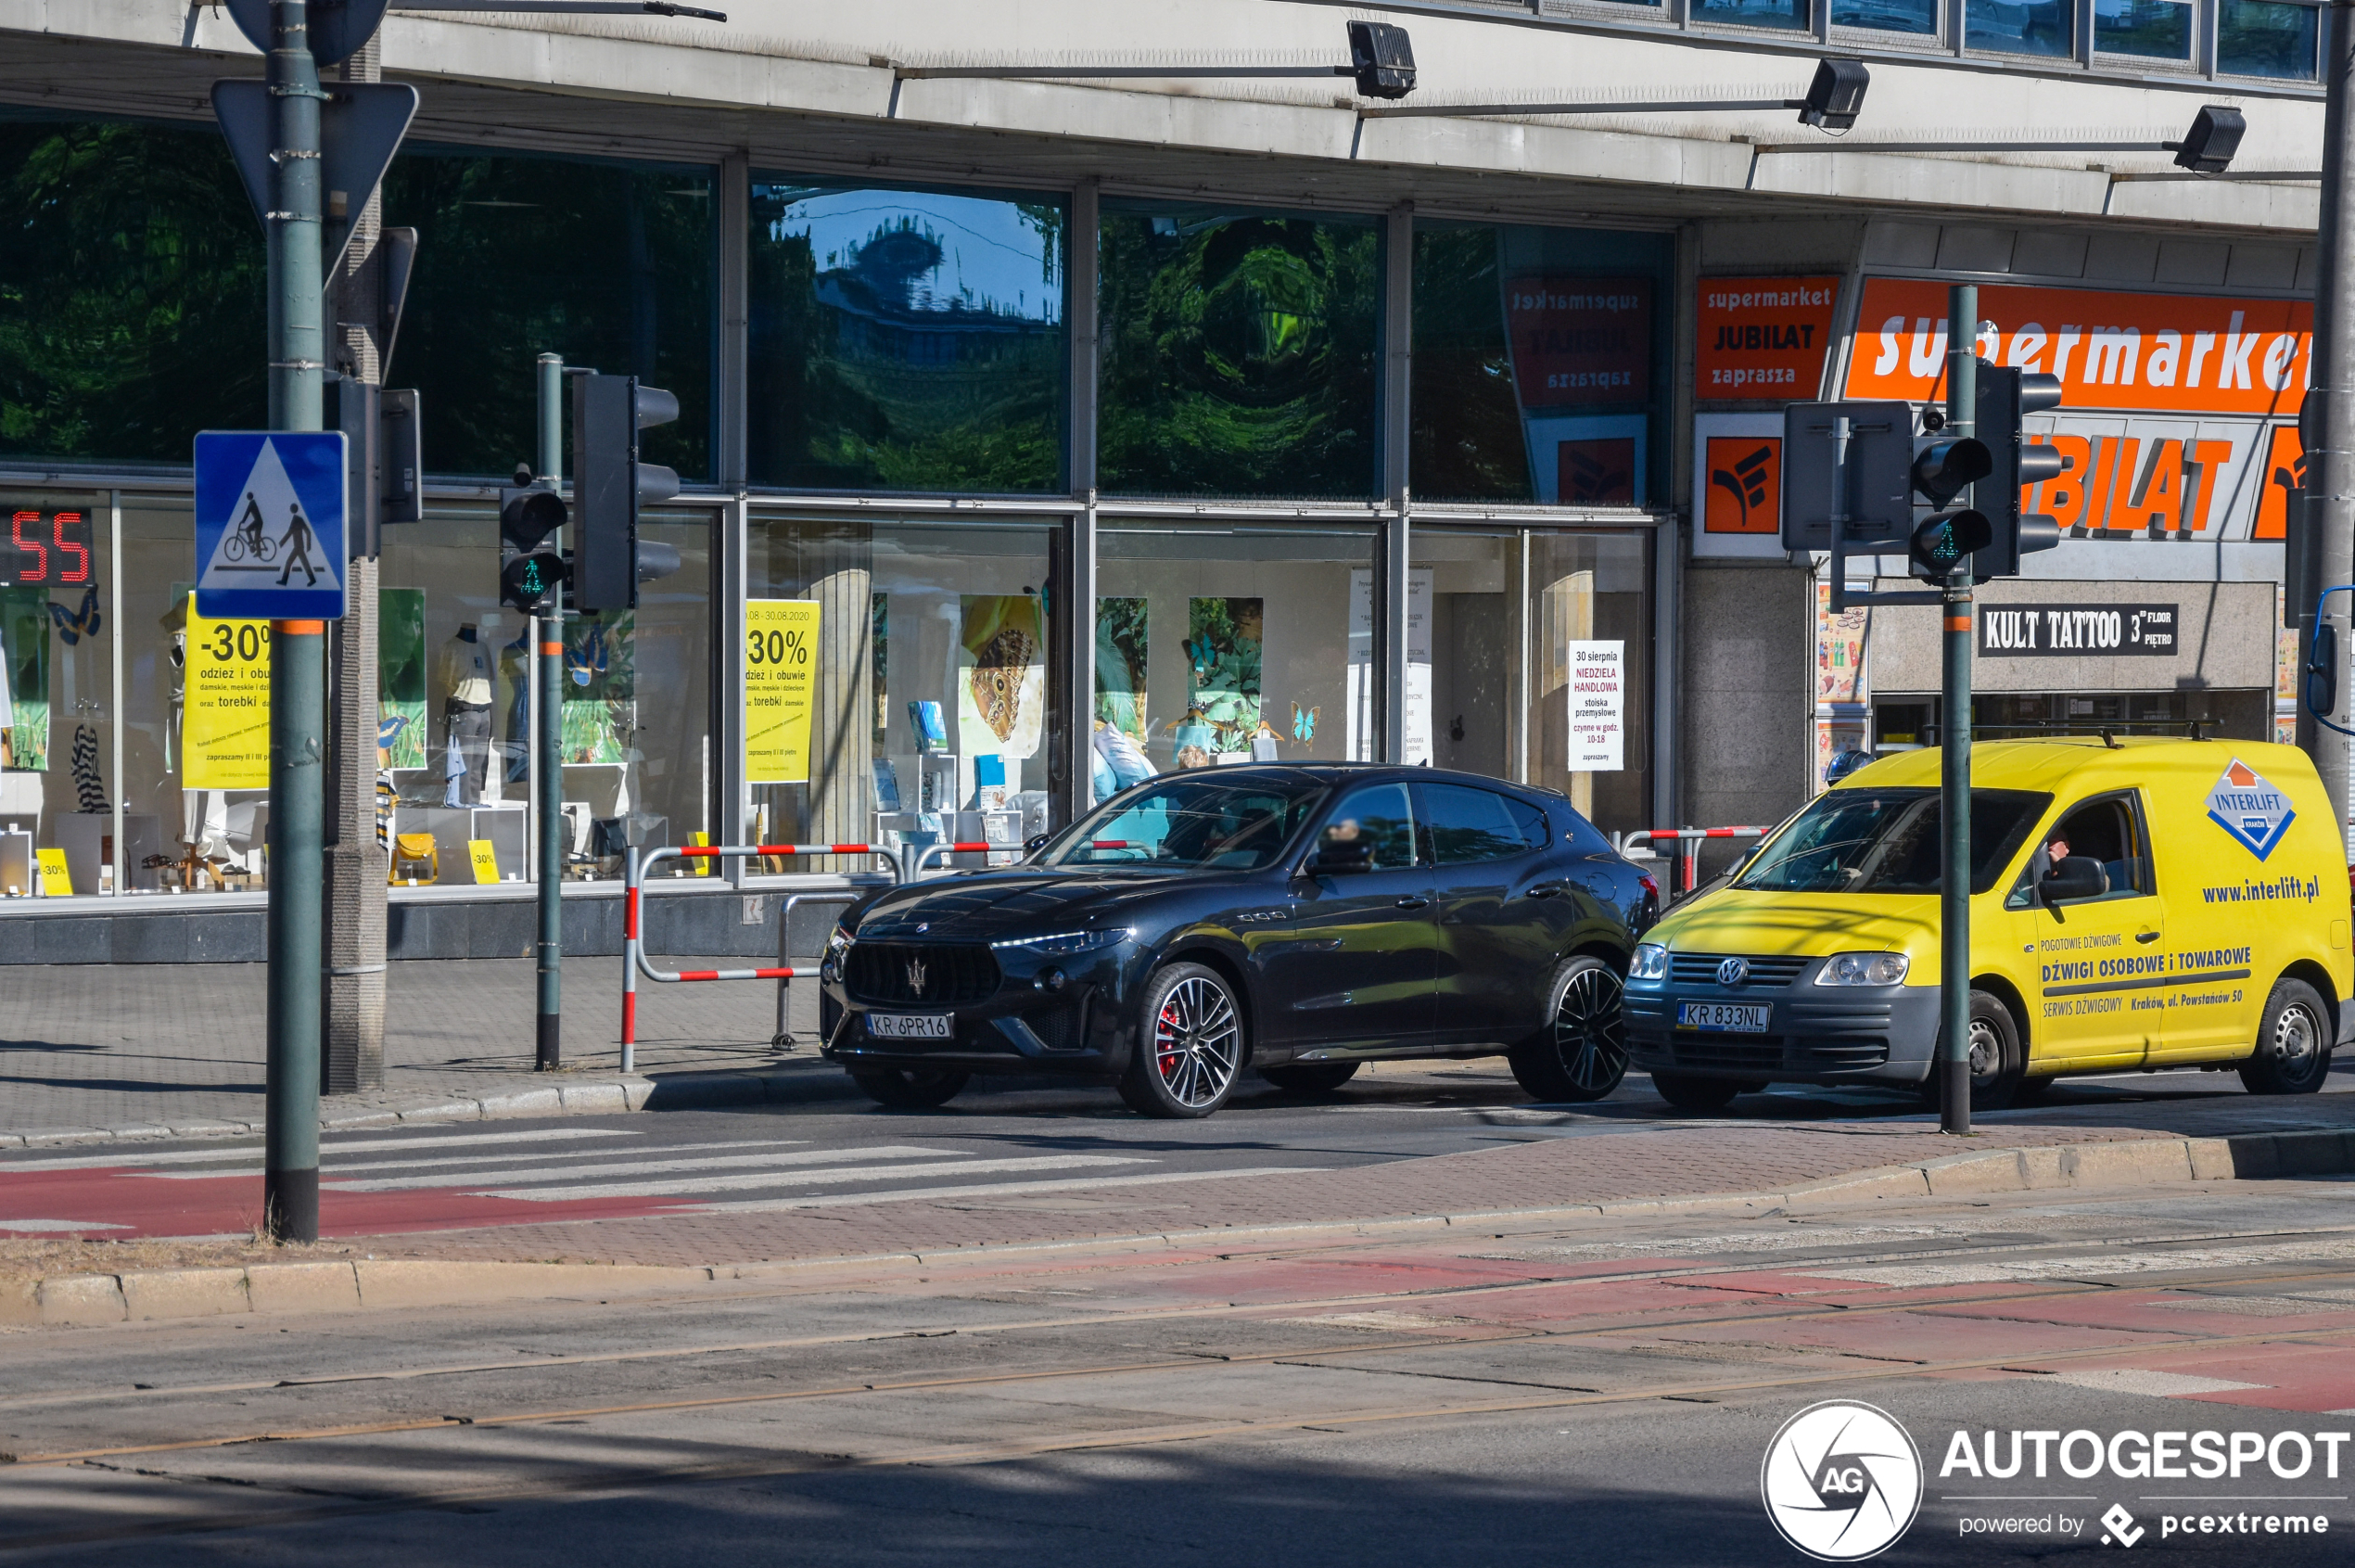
x,y
1546,891
2147,936
1411,903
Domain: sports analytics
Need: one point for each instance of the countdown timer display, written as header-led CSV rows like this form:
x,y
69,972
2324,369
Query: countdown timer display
x,y
45,549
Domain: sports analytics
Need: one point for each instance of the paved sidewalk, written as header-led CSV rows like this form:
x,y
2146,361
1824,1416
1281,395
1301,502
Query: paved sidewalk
x,y
138,1050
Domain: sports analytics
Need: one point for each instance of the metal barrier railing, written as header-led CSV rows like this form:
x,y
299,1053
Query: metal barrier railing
x,y
633,947
782,1040
1687,857
929,851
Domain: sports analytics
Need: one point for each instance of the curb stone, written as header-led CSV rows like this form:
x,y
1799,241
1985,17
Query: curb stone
x,y
91,1300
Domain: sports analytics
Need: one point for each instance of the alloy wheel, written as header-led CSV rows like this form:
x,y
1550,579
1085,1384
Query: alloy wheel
x,y
1197,1042
1589,1036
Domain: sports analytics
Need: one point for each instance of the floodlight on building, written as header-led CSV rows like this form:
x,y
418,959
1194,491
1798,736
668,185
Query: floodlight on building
x,y
1832,102
2206,149
1382,62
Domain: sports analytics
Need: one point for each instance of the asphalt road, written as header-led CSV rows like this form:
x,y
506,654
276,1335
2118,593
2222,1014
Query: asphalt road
x,y
1005,1141
1592,1393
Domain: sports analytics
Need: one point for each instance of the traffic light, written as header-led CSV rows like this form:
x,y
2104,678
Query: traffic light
x,y
531,569
610,486
2006,395
1943,542
1382,59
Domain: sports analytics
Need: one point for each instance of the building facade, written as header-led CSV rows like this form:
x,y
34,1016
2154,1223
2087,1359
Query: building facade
x,y
1122,422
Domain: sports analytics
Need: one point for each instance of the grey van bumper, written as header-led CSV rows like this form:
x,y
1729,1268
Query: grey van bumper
x,y
1814,1034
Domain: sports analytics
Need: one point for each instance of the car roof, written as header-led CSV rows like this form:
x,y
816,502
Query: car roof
x,y
1324,770
2050,765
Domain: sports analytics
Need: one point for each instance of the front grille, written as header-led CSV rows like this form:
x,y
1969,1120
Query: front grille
x,y
1701,969
951,974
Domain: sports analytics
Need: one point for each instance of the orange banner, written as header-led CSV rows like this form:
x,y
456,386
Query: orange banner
x,y
2160,353
1763,337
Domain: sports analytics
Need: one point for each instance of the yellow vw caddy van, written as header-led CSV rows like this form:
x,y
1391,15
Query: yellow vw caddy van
x,y
2134,903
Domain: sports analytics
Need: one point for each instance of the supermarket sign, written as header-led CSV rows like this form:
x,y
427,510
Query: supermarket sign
x,y
2143,353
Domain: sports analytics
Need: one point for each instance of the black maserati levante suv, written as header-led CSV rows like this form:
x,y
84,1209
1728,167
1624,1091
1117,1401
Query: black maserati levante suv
x,y
1293,919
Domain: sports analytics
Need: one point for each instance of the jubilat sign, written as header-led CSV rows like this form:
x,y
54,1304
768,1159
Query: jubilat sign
x,y
2077,631
1763,339
1580,340
2151,353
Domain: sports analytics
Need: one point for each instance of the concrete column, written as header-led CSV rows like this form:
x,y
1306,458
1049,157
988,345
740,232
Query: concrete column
x,y
354,942
839,565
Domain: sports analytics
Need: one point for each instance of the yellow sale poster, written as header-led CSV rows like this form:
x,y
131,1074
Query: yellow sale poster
x,y
224,723
780,670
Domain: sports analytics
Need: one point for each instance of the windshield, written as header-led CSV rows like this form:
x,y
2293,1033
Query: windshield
x,y
1887,841
1192,821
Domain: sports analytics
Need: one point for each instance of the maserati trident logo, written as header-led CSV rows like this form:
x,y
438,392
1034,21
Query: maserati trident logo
x,y
1733,972
916,976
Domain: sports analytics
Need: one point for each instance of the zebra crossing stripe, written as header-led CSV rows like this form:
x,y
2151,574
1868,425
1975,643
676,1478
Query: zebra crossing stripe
x,y
690,1186
991,1189
634,1168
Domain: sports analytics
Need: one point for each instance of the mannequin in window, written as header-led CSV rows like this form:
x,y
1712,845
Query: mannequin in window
x,y
468,664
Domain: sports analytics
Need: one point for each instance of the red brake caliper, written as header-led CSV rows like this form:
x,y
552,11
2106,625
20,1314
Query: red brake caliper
x,y
1164,1054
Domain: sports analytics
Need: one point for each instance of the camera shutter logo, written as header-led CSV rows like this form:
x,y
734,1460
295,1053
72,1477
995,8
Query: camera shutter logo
x,y
1841,1481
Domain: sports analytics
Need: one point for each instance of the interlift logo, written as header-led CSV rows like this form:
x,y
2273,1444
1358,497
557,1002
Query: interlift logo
x,y
2253,811
1841,1481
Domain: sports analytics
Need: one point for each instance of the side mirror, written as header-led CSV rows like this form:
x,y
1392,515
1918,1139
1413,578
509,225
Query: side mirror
x,y
1037,842
1342,857
2079,876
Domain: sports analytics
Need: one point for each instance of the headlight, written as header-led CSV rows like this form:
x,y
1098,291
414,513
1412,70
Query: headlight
x,y
1064,944
1864,969
837,944
1650,962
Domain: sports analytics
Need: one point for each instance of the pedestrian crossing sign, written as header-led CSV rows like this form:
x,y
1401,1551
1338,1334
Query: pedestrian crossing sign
x,y
270,525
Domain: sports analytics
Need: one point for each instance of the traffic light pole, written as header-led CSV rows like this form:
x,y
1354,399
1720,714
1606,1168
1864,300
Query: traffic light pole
x,y
1954,869
2327,538
298,654
549,782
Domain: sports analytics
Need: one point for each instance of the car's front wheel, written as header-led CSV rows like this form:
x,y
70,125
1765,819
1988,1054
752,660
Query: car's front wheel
x,y
2293,1043
1581,1053
1997,1064
1190,1047
910,1089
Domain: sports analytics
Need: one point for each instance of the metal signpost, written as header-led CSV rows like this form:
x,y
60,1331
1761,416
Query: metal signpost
x,y
1953,739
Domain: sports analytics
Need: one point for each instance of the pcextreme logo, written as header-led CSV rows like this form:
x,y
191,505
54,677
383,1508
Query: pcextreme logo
x,y
1841,1481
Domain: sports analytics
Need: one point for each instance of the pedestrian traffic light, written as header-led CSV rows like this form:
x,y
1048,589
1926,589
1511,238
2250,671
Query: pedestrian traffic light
x,y
531,569
1942,470
1941,544
2006,395
610,486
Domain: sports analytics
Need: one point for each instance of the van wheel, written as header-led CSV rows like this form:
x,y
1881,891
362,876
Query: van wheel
x,y
910,1089
1310,1077
1689,1093
2293,1043
1580,1053
1997,1064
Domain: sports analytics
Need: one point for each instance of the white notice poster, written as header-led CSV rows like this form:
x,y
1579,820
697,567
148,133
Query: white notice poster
x,y
1597,707
1361,655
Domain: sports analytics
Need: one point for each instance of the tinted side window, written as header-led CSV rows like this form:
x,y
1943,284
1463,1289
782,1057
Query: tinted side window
x,y
1532,822
1383,813
1468,825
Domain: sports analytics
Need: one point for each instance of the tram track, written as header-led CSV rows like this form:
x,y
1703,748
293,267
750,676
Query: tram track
x,y
1208,1360
1133,1316
797,1461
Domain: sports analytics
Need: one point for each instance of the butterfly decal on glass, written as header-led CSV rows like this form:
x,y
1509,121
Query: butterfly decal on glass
x,y
74,625
592,657
1303,724
1204,657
